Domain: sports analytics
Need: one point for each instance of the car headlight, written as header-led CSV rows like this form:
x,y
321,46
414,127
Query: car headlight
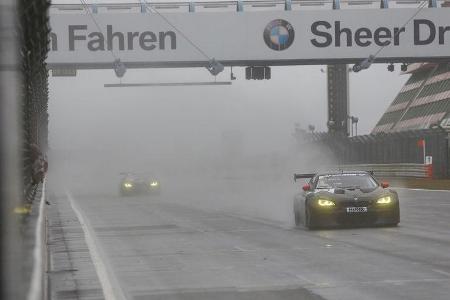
x,y
128,185
154,183
384,200
323,202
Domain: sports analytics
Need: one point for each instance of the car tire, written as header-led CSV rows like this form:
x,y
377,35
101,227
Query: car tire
x,y
309,220
389,224
298,221
392,224
396,221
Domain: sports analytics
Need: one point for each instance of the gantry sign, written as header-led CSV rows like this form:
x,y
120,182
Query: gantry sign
x,y
278,37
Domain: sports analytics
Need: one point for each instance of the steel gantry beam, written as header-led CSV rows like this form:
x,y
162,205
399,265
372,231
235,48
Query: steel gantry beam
x,y
248,33
241,5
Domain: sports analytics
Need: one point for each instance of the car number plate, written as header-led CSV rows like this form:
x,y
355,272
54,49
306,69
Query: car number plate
x,y
356,209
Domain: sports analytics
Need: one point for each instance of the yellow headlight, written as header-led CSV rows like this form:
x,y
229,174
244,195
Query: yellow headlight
x,y
128,185
323,202
384,200
154,183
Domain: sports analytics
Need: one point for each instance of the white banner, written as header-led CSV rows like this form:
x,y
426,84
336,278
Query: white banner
x,y
249,38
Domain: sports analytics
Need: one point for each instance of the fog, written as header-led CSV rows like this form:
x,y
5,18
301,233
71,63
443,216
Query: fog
x,y
228,148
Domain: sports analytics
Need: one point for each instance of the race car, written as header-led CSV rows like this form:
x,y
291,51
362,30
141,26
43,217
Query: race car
x,y
345,198
133,184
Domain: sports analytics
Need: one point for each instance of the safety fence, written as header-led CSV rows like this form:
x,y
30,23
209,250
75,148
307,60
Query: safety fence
x,y
410,149
33,36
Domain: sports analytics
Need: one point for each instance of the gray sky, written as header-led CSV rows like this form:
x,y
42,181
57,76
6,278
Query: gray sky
x,y
82,109
85,114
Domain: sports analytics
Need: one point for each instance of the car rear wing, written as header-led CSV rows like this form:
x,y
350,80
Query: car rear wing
x,y
371,172
300,176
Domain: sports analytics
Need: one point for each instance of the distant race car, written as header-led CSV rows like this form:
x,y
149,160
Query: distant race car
x,y
133,184
345,198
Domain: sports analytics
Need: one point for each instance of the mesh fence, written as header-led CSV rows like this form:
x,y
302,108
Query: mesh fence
x,y
33,32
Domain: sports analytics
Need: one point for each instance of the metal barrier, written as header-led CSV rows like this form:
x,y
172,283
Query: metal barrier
x,y
398,148
393,170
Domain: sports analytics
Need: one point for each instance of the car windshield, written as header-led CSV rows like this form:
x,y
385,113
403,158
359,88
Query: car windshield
x,y
346,181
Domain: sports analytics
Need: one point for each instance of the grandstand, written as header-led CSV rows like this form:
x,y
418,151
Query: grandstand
x,y
422,103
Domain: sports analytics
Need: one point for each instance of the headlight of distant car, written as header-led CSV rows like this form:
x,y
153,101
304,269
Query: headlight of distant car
x,y
154,183
384,200
128,185
324,202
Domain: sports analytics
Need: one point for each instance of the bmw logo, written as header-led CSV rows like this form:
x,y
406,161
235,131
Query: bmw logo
x,y
279,35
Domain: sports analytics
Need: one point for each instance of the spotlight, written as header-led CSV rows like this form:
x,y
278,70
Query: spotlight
x,y
214,67
391,67
119,68
365,64
404,67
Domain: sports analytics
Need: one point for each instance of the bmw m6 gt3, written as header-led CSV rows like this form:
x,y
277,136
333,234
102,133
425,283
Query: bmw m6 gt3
x,y
132,184
345,198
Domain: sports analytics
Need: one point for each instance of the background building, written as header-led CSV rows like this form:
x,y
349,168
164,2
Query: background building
x,y
422,103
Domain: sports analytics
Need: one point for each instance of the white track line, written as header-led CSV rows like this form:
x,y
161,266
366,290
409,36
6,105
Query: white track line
x,y
422,190
35,291
111,288
441,272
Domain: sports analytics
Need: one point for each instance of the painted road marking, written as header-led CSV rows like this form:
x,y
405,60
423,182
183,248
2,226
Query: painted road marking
x,y
422,190
441,272
111,288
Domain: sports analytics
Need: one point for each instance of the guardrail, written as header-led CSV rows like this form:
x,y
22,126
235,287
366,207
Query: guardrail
x,y
404,170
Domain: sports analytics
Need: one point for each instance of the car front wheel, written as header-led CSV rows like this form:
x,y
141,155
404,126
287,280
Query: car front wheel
x,y
297,217
309,219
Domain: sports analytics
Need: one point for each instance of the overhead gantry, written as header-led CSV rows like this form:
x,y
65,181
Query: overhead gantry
x,y
252,34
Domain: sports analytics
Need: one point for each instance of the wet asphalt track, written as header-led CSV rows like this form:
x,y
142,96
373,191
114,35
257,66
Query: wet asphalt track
x,y
161,248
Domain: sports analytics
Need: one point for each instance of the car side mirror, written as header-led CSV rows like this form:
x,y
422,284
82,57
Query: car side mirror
x,y
306,187
384,185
